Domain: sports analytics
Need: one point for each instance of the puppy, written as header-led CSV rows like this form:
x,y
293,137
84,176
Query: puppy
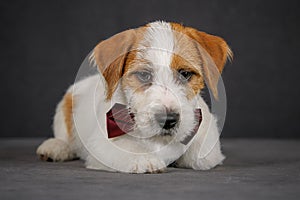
x,y
158,72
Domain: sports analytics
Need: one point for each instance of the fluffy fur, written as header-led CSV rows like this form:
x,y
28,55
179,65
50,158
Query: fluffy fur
x,y
162,50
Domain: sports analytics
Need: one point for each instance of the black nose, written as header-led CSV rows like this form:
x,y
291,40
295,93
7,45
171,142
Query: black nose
x,y
167,120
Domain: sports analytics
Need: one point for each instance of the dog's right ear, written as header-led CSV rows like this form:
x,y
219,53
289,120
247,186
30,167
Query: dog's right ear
x,y
215,48
110,57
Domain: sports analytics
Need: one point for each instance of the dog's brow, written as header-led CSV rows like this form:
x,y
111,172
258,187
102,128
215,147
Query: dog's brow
x,y
143,61
145,64
189,68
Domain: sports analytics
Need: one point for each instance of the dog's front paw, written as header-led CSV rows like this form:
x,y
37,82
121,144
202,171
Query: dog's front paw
x,y
55,150
146,165
211,161
199,162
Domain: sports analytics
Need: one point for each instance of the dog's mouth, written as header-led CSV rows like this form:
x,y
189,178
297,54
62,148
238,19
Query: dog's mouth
x,y
165,132
156,123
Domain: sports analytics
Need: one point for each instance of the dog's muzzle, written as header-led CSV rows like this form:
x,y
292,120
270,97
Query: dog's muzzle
x,y
120,121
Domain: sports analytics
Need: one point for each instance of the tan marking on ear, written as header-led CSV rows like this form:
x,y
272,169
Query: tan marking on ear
x,y
214,45
217,49
114,54
68,113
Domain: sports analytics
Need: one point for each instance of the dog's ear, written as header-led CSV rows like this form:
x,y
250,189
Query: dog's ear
x,y
218,50
110,56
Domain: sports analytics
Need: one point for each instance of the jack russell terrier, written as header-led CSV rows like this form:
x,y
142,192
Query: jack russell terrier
x,y
143,110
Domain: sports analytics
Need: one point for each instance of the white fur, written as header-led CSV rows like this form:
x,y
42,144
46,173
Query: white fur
x,y
147,151
158,44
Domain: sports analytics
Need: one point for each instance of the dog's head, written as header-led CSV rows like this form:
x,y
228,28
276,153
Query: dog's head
x,y
160,69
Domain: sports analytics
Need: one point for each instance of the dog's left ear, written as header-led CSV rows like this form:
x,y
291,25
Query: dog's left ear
x,y
110,56
219,52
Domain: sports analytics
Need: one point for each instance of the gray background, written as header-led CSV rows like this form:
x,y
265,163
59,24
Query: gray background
x,y
44,42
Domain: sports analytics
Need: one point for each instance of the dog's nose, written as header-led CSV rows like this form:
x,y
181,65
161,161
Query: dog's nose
x,y
167,120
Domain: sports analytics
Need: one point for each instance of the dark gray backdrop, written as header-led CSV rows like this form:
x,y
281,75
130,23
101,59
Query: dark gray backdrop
x,y
44,42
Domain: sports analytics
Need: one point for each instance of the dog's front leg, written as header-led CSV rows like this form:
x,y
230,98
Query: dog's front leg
x,y
125,154
132,164
205,151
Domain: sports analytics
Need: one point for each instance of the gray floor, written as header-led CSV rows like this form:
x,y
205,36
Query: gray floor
x,y
254,169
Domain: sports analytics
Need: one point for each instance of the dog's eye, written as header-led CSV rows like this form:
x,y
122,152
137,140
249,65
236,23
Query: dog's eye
x,y
184,75
144,76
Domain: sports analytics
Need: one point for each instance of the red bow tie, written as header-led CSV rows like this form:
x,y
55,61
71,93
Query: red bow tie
x,y
120,121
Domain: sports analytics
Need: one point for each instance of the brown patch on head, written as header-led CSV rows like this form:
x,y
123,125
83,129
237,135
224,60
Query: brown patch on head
x,y
133,66
114,55
216,48
68,112
196,82
178,27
